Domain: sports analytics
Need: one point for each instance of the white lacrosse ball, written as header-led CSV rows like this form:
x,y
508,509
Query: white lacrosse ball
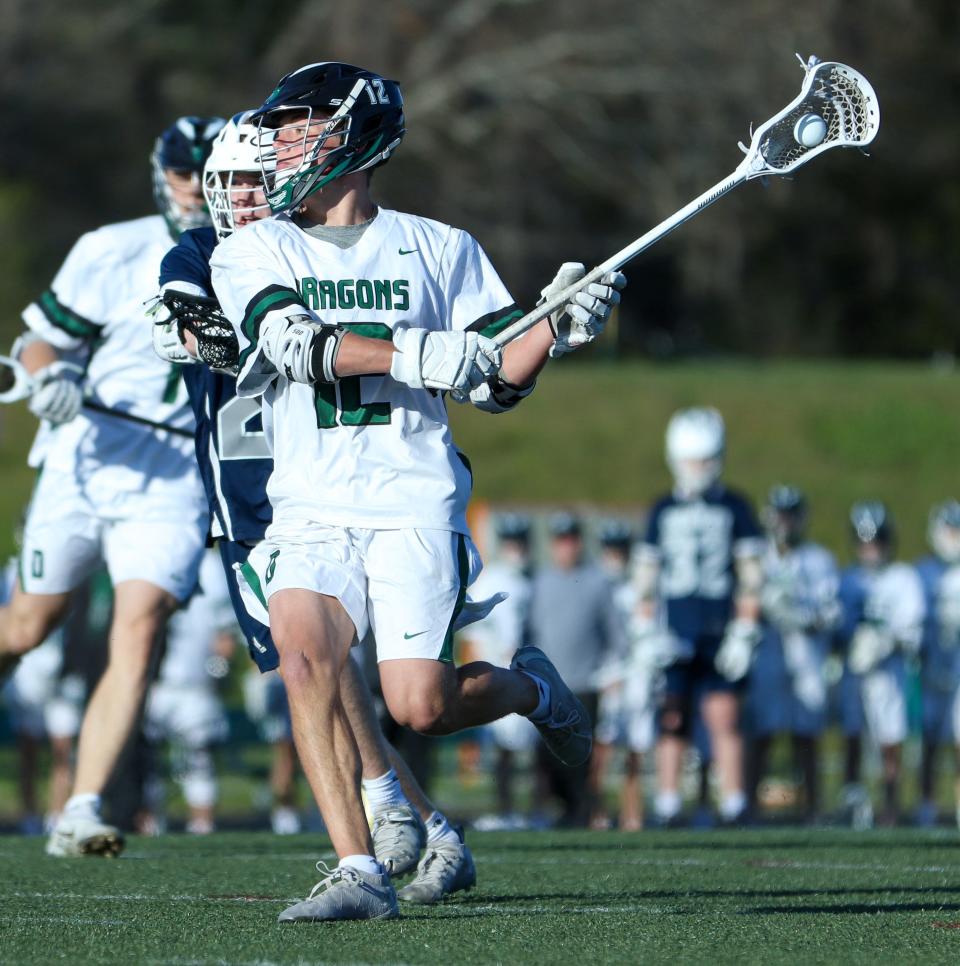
x,y
810,130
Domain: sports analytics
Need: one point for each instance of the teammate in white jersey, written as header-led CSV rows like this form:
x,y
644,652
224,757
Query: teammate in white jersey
x,y
883,608
369,492
496,639
183,707
119,486
787,691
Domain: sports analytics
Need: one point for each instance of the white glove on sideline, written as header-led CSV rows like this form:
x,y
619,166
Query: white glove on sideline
x,y
868,647
55,398
455,362
735,655
583,318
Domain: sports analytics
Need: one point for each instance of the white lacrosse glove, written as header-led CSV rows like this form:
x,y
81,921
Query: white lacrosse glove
x,y
655,647
583,318
455,362
166,336
735,654
869,645
55,397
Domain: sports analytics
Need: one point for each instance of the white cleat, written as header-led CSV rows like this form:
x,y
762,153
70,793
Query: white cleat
x,y
285,821
446,868
398,838
77,835
345,893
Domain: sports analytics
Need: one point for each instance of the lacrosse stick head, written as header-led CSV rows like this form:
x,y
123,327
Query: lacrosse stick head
x,y
842,97
202,317
15,382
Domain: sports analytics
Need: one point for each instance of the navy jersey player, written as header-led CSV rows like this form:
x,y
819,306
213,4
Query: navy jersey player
x,y
235,459
699,573
940,650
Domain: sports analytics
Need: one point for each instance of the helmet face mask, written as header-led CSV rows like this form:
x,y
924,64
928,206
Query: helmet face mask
x,y
176,164
872,532
695,447
232,183
322,122
785,516
943,531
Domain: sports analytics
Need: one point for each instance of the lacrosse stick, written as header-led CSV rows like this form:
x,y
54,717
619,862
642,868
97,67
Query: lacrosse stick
x,y
833,93
17,384
217,343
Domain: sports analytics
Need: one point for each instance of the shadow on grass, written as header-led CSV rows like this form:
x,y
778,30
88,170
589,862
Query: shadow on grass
x,y
850,909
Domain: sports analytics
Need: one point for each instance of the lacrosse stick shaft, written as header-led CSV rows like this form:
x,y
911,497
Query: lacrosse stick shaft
x,y
131,418
621,257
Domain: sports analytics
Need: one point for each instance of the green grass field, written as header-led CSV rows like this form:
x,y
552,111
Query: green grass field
x,y
656,897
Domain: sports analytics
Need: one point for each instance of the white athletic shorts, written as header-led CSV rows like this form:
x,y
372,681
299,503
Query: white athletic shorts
x,y
626,717
408,587
877,701
67,535
187,715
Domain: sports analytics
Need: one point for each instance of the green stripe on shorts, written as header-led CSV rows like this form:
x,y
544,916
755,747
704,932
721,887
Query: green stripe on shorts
x,y
463,571
253,582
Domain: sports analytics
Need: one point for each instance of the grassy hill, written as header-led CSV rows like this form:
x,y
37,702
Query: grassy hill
x,y
593,432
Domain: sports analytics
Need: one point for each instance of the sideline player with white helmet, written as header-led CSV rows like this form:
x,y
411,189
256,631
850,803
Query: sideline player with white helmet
x,y
699,566
788,692
184,709
882,621
111,488
235,460
495,639
353,321
940,652
626,714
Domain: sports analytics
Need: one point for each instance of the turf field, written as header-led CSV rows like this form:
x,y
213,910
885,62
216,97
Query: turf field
x,y
746,897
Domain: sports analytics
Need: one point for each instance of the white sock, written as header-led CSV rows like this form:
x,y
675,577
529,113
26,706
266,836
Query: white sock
x,y
383,792
732,804
362,863
542,710
667,804
86,804
440,830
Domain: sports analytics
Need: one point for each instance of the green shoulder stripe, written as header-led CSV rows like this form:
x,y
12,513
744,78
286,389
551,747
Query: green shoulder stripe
x,y
63,318
494,323
267,300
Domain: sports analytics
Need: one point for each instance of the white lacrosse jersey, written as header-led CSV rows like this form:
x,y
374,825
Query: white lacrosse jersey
x,y
368,451
193,630
95,310
894,600
810,575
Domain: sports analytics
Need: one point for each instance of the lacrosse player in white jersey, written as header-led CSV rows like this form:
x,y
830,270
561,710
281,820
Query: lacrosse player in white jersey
x,y
787,691
495,639
183,707
883,608
940,653
369,492
119,486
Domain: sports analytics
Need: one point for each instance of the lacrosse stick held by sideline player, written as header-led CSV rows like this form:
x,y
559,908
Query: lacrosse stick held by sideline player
x,y
17,384
836,108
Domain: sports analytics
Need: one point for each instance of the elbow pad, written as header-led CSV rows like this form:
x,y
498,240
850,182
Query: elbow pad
x,y
498,396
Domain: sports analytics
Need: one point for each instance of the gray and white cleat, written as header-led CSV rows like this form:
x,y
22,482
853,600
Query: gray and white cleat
x,y
398,838
345,893
77,835
567,731
446,868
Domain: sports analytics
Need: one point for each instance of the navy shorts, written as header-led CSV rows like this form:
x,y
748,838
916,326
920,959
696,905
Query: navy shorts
x,y
260,643
699,675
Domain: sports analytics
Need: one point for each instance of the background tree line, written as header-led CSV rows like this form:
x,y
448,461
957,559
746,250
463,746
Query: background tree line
x,y
551,130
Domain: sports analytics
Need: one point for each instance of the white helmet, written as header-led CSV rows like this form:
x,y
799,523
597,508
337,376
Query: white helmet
x,y
943,531
695,444
234,151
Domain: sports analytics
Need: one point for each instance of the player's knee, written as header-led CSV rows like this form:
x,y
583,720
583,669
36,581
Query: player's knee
x,y
425,714
306,671
674,719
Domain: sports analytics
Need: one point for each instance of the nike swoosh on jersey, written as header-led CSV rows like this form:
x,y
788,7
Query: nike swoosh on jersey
x,y
408,251
407,637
